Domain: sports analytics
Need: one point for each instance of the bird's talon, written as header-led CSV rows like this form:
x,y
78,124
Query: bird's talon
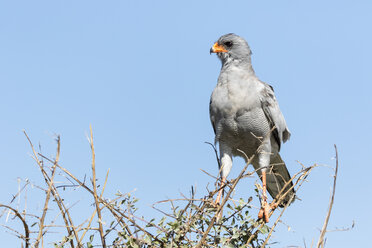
x,y
261,213
264,212
273,205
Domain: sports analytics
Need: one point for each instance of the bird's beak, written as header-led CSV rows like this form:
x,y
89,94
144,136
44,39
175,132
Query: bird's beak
x,y
217,48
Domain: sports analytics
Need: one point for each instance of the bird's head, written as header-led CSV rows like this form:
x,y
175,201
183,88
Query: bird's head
x,y
231,47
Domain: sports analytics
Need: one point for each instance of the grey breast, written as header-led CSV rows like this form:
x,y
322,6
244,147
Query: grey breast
x,y
238,117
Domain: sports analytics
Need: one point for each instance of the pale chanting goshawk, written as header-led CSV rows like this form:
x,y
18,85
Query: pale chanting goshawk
x,y
245,116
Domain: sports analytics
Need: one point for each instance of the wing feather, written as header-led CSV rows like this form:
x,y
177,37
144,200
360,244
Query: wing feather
x,y
275,117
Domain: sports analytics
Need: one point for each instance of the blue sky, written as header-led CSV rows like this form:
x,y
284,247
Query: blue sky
x,y
140,72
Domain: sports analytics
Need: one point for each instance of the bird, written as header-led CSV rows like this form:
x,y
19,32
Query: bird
x,y
247,121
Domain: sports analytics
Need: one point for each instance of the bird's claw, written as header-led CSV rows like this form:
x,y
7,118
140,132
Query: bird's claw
x,y
264,211
273,205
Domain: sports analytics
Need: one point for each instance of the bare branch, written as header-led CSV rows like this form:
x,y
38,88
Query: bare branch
x,y
324,229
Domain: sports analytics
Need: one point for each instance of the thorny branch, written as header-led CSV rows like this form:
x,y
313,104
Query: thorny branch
x,y
192,222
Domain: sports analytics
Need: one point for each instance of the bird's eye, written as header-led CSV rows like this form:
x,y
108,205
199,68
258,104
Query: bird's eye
x,y
228,44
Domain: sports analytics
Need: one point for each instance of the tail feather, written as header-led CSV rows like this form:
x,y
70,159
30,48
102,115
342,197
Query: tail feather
x,y
276,177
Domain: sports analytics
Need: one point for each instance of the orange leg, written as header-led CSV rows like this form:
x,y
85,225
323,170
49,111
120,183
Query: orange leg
x,y
265,207
220,191
219,197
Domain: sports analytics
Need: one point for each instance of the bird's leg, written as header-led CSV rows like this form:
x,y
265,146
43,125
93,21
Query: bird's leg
x,y
220,191
265,207
219,197
225,167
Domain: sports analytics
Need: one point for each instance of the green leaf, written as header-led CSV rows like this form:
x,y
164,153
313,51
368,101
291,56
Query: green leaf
x,y
264,229
233,222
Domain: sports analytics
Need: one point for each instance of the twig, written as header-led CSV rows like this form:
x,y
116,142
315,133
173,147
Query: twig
x,y
95,190
324,229
46,203
344,229
25,226
15,196
94,213
215,152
